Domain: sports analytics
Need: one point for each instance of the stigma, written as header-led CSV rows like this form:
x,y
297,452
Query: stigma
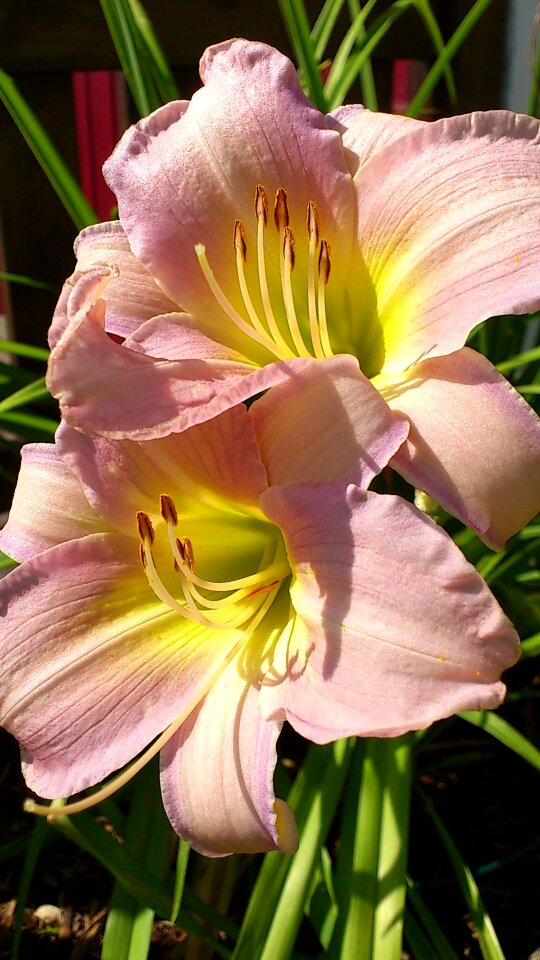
x,y
219,605
287,318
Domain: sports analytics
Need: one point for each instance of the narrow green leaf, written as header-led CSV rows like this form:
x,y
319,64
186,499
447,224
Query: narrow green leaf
x,y
118,22
370,875
27,281
297,25
148,836
367,81
27,394
324,26
425,11
347,65
23,350
88,834
528,388
290,908
521,358
29,423
446,56
503,731
40,831
441,946
319,763
180,878
531,646
46,154
487,938
163,78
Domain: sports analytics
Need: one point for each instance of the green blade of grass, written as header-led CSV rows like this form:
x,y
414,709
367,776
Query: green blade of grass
x,y
46,154
290,907
503,731
23,350
531,646
155,59
424,10
148,836
139,881
446,56
29,424
347,66
485,931
367,81
182,859
521,358
118,22
319,763
296,22
40,832
324,26
443,950
27,281
27,394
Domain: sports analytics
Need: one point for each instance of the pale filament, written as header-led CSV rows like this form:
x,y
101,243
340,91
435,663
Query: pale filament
x,y
324,273
182,553
272,338
55,810
313,234
224,303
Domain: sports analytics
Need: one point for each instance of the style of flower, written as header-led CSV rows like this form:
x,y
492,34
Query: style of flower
x,y
191,589
258,237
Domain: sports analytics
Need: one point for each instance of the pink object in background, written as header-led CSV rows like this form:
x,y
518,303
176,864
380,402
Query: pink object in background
x,y
99,122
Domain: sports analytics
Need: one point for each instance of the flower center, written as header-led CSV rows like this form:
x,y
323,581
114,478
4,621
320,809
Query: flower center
x,y
220,605
281,325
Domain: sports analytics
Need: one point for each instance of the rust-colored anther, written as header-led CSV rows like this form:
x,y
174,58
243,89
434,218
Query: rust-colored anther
x,y
142,555
239,239
181,549
261,203
313,221
190,556
168,509
281,210
324,262
288,246
144,526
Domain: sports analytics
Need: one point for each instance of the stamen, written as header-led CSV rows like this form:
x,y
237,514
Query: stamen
x,y
313,235
261,212
228,308
324,273
239,240
287,266
281,210
167,509
54,811
145,528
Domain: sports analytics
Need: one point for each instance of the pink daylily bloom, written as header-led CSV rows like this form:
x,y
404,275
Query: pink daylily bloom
x,y
282,237
204,587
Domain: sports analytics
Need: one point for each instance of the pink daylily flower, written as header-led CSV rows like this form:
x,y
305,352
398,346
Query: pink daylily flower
x,y
203,587
257,237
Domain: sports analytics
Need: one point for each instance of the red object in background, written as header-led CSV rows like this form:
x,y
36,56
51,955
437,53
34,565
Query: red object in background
x,y
98,102
407,77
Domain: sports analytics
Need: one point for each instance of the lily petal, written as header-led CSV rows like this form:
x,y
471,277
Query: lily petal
x,y
176,465
48,506
216,773
123,393
404,631
474,443
131,297
366,132
333,427
186,178
448,228
94,666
